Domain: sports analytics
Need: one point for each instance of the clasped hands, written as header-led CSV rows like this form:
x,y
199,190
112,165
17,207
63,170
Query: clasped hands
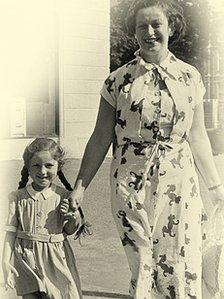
x,y
70,206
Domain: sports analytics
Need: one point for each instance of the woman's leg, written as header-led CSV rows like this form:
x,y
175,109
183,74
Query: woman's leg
x,y
138,249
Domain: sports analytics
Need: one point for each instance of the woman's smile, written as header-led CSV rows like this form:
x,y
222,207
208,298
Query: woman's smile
x,y
151,41
152,33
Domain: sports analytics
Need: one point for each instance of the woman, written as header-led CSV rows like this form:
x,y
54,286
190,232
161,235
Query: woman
x,y
151,109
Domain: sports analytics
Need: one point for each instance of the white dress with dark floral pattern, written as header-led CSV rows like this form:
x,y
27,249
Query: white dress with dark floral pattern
x,y
155,198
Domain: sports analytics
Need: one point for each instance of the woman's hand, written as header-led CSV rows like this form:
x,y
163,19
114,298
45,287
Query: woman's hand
x,y
218,196
9,271
76,198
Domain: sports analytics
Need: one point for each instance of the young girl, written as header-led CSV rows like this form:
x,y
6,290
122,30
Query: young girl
x,y
38,222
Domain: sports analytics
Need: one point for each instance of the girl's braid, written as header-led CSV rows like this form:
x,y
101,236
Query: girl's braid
x,y
64,181
24,177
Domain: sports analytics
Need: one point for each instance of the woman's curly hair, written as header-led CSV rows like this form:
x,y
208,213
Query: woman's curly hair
x,y
172,10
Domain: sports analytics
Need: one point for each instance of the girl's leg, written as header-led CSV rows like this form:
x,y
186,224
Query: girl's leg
x,y
36,295
43,296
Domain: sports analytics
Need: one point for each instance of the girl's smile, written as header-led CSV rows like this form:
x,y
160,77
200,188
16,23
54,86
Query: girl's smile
x,y
43,170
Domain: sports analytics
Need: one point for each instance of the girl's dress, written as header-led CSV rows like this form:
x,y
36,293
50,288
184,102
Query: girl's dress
x,y
43,256
155,193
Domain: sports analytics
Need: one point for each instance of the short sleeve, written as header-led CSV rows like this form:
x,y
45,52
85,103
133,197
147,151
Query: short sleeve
x,y
200,89
109,90
12,220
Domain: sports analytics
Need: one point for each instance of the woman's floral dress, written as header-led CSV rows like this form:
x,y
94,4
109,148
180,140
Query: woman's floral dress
x,y
155,198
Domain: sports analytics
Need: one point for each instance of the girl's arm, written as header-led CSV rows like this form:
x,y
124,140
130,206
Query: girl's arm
x,y
8,250
95,151
72,224
202,153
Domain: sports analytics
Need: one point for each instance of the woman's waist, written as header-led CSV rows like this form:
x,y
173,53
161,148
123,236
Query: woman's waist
x,y
166,133
172,159
148,150
150,134
149,143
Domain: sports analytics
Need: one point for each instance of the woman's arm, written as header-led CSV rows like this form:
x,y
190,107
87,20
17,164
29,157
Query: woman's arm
x,y
98,144
202,153
96,150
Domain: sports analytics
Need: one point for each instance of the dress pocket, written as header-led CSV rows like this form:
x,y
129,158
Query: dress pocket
x,y
29,258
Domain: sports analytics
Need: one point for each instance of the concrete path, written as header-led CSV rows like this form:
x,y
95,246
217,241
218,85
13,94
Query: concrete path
x,y
101,260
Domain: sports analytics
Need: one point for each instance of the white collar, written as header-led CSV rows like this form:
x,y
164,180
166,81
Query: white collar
x,y
37,194
167,65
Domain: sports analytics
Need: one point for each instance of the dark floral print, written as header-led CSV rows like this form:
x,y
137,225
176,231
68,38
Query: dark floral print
x,y
155,194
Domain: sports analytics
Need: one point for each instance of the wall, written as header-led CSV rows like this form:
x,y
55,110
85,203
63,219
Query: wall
x,y
84,65
27,59
81,30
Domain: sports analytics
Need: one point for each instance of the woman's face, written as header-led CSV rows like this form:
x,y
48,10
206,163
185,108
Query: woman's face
x,y
152,33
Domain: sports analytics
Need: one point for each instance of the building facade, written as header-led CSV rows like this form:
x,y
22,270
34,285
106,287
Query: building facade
x,y
54,58
51,83
214,70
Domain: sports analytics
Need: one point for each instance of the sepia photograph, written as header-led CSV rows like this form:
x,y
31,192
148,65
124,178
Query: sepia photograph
x,y
112,149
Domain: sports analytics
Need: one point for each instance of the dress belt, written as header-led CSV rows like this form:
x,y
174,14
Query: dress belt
x,y
52,238
159,146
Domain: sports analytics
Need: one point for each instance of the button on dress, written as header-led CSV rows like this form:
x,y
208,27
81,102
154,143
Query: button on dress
x,y
43,256
155,194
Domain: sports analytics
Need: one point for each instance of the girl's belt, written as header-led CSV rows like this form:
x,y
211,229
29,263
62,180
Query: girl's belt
x,y
52,238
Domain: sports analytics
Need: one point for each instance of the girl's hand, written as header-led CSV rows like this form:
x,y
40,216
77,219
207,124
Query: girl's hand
x,y
76,198
9,272
218,196
65,209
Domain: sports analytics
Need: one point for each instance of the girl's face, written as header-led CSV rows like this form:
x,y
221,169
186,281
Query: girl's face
x,y
152,33
42,169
